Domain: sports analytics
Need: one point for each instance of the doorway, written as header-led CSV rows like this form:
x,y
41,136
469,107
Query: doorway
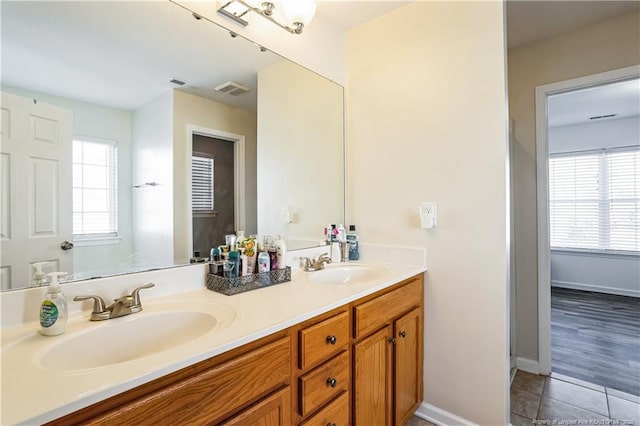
x,y
227,150
580,222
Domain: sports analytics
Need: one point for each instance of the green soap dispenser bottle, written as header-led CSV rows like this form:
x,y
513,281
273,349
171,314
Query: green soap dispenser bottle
x,y
53,309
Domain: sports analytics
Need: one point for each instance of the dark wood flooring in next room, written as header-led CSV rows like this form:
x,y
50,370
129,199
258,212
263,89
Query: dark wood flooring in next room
x,y
595,337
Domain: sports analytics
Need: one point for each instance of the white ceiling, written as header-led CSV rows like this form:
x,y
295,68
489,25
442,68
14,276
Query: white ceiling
x,y
622,99
529,21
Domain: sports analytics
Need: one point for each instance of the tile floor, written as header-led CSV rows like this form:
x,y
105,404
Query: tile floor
x,y
559,399
417,421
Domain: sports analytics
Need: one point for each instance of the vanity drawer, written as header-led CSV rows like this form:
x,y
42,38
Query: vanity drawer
x,y
215,393
371,315
336,413
323,383
322,340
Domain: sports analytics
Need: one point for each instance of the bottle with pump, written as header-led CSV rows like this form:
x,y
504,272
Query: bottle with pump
x,y
53,309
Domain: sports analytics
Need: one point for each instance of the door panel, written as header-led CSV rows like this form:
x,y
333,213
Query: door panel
x,y
35,188
408,365
372,380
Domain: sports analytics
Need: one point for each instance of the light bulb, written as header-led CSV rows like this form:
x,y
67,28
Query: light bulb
x,y
299,11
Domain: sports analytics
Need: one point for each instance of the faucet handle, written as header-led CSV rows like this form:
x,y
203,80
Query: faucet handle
x,y
305,262
99,311
135,295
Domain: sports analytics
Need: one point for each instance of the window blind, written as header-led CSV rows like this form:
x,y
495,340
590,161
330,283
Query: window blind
x,y
202,184
594,200
95,188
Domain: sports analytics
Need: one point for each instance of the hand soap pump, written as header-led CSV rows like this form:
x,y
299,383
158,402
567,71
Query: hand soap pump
x,y
53,310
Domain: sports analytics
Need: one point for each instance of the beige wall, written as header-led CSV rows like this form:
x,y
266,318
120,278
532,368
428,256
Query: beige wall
x,y
602,47
197,111
426,121
300,152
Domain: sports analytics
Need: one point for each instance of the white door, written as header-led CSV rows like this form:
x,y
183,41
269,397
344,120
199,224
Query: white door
x,y
35,181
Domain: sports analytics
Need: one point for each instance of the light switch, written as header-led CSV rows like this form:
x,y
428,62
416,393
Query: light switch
x,y
428,214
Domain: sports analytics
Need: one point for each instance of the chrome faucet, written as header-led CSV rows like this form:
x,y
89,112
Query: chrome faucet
x,y
316,264
120,307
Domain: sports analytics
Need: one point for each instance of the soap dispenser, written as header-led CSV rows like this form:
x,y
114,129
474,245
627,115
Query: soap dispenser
x,y
53,310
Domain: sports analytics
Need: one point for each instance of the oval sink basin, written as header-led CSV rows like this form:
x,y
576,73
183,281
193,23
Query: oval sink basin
x,y
345,274
128,338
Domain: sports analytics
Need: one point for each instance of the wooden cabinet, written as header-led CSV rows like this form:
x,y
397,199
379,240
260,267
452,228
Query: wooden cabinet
x,y
359,364
387,384
205,393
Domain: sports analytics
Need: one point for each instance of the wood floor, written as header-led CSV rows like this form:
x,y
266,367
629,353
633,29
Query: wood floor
x,y
595,337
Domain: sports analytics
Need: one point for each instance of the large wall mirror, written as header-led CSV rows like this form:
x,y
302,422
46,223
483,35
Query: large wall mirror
x,y
114,113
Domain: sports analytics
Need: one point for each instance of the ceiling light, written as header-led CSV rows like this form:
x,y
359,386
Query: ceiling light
x,y
297,13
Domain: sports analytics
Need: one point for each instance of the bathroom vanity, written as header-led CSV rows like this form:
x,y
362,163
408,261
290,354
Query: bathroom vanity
x,y
324,354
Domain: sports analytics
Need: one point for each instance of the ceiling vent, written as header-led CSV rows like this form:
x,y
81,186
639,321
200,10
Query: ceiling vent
x,y
232,88
177,82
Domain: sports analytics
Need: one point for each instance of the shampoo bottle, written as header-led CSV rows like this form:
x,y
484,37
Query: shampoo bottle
x,y
53,309
352,241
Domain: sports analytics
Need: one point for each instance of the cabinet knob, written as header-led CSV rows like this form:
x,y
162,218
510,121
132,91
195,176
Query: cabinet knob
x,y
392,340
332,340
403,334
331,424
332,382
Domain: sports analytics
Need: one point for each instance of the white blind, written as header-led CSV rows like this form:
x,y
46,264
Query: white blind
x,y
95,188
594,200
201,184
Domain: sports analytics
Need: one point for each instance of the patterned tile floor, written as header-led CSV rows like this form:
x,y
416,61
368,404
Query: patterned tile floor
x,y
559,399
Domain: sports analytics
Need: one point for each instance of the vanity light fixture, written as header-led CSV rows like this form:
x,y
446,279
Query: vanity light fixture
x,y
294,13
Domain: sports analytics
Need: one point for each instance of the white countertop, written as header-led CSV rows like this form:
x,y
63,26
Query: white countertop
x,y
33,394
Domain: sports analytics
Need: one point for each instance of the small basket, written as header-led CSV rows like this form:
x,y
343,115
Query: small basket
x,y
231,286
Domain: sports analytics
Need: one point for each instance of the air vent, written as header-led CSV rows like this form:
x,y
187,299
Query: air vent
x,y
232,88
598,117
176,81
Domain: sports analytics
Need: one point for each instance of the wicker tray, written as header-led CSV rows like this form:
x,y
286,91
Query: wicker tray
x,y
231,286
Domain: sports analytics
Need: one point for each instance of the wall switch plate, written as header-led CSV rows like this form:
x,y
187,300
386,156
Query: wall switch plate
x,y
428,214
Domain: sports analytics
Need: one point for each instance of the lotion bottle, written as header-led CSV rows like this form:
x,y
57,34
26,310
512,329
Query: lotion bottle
x,y
53,309
281,252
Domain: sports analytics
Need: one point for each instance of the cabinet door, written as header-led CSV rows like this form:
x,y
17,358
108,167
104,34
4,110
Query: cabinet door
x,y
274,410
372,380
408,365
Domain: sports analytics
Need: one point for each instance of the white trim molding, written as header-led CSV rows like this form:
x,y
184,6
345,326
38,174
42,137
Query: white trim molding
x,y
239,176
527,365
440,417
542,180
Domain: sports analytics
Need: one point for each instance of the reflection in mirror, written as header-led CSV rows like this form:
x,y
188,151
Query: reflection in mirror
x,y
97,140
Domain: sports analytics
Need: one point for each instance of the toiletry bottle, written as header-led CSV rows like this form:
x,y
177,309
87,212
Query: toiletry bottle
x,y
281,252
264,264
234,257
39,276
352,241
53,310
239,238
341,234
244,263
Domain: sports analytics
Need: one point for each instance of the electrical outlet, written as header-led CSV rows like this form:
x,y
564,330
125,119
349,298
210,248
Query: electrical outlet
x,y
428,215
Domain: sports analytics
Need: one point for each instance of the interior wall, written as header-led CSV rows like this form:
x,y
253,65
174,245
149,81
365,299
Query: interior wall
x,y
609,45
103,123
153,162
198,111
426,121
293,172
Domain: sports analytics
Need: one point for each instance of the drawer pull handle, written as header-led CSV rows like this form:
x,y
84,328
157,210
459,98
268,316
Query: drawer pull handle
x,y
392,340
332,382
331,424
403,334
332,340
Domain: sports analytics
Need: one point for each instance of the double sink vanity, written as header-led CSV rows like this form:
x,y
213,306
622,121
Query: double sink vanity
x,y
338,346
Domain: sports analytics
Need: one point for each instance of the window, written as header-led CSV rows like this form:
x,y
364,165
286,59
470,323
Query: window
x,y
594,200
95,189
202,185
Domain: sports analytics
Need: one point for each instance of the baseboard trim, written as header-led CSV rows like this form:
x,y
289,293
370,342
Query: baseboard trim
x,y
595,288
528,365
440,417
